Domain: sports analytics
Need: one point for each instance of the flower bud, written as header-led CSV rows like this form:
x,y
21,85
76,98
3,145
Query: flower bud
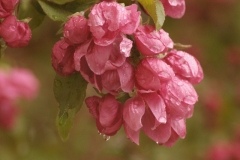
x,y
62,58
76,30
7,7
15,33
151,42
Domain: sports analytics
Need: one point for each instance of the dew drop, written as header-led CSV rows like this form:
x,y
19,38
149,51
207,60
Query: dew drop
x,y
106,138
99,133
57,83
157,142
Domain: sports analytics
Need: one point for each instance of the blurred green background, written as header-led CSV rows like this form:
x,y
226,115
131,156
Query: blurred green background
x,y
212,27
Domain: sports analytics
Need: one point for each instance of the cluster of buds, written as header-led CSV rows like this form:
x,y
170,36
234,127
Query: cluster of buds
x,y
145,84
15,33
14,84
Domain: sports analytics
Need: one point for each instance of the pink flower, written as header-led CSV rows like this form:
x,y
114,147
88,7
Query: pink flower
x,y
76,30
62,58
174,8
151,73
7,7
15,33
151,42
103,58
185,66
108,113
18,83
148,112
25,82
8,114
108,19
180,97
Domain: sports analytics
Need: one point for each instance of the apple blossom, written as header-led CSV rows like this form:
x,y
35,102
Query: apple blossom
x,y
7,7
174,8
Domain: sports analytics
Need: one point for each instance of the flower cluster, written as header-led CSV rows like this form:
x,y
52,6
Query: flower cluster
x,y
15,33
14,84
148,83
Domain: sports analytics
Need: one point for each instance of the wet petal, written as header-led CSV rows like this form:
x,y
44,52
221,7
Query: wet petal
x,y
133,111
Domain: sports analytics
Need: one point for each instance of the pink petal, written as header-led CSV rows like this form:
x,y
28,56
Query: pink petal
x,y
133,20
110,81
179,126
156,105
81,51
126,76
93,104
146,78
98,57
109,110
161,133
133,110
132,134
172,140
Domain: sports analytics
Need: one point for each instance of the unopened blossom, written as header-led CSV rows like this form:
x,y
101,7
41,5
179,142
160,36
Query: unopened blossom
x,y
149,41
8,114
7,7
15,33
108,113
76,29
151,73
108,19
103,58
62,58
185,66
174,8
180,97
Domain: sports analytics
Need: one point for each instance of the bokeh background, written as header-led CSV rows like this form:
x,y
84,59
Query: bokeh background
x,y
212,27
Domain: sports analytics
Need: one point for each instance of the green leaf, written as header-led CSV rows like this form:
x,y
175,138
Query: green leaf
x,y
155,9
30,9
61,1
70,93
54,11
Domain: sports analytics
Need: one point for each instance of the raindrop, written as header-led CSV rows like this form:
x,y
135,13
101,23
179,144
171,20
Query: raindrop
x,y
99,133
63,119
57,83
157,142
54,17
106,138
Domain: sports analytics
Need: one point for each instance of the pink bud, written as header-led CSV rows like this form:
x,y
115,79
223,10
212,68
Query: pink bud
x,y
150,42
152,72
185,66
15,33
179,96
108,113
174,8
7,7
76,30
62,58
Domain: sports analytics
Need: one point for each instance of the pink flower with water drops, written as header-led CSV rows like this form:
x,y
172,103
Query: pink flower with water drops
x,y
180,97
108,113
174,8
185,66
151,73
62,58
149,41
76,30
15,33
103,58
108,19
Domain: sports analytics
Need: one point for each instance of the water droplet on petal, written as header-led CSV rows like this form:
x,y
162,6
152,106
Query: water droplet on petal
x,y
157,142
106,138
99,133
